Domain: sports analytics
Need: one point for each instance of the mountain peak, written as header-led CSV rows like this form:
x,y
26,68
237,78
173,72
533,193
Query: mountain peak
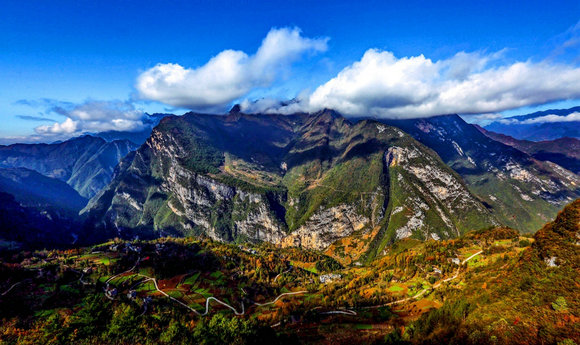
x,y
236,109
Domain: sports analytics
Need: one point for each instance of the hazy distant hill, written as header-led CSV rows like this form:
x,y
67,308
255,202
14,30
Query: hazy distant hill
x,y
548,130
36,190
85,163
37,210
563,151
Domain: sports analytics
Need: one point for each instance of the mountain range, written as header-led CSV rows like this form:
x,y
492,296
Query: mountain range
x,y
85,163
309,180
539,126
300,180
315,181
563,151
44,186
522,192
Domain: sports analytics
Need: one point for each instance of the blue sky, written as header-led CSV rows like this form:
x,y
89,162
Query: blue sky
x,y
72,55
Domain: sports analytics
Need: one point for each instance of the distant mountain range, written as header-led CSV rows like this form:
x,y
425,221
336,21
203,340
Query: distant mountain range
x,y
44,186
563,151
539,126
308,180
85,163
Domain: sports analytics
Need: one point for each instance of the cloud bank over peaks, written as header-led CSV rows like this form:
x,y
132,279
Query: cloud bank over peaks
x,y
93,116
229,75
382,85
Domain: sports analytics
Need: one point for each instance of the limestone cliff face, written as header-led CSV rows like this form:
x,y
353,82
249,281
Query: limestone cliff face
x,y
325,227
158,192
431,199
519,190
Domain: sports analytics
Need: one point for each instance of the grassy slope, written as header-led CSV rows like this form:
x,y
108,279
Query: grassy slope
x,y
532,304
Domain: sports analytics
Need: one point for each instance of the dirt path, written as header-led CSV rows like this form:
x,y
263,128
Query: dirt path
x,y
120,274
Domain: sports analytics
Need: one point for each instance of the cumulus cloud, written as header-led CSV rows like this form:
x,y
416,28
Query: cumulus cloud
x,y
93,116
382,85
229,75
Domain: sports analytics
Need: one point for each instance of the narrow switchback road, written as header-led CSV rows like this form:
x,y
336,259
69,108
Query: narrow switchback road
x,y
12,287
209,299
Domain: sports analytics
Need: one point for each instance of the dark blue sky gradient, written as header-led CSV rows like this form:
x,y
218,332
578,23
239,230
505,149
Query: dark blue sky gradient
x,y
76,50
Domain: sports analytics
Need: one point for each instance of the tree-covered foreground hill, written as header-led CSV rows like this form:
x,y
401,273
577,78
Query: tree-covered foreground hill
x,y
486,287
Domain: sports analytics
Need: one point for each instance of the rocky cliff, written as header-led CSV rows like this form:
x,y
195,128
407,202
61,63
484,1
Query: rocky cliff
x,y
519,190
305,180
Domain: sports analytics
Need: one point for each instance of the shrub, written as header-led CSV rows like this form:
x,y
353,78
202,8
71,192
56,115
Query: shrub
x,y
560,304
328,265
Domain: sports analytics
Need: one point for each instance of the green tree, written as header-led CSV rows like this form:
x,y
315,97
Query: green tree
x,y
560,304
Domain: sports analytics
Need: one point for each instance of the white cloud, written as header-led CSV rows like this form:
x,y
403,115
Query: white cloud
x,y
229,75
383,85
94,116
487,117
553,118
483,119
67,127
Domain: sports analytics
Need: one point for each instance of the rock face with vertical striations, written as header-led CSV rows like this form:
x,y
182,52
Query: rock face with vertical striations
x,y
304,179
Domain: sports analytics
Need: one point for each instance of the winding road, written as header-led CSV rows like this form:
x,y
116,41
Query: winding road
x,y
12,287
242,312
280,296
209,299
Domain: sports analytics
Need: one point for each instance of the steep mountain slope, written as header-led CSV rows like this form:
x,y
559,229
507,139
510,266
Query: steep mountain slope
x,y
536,303
305,180
36,210
532,127
521,191
563,151
85,163
22,225
35,190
